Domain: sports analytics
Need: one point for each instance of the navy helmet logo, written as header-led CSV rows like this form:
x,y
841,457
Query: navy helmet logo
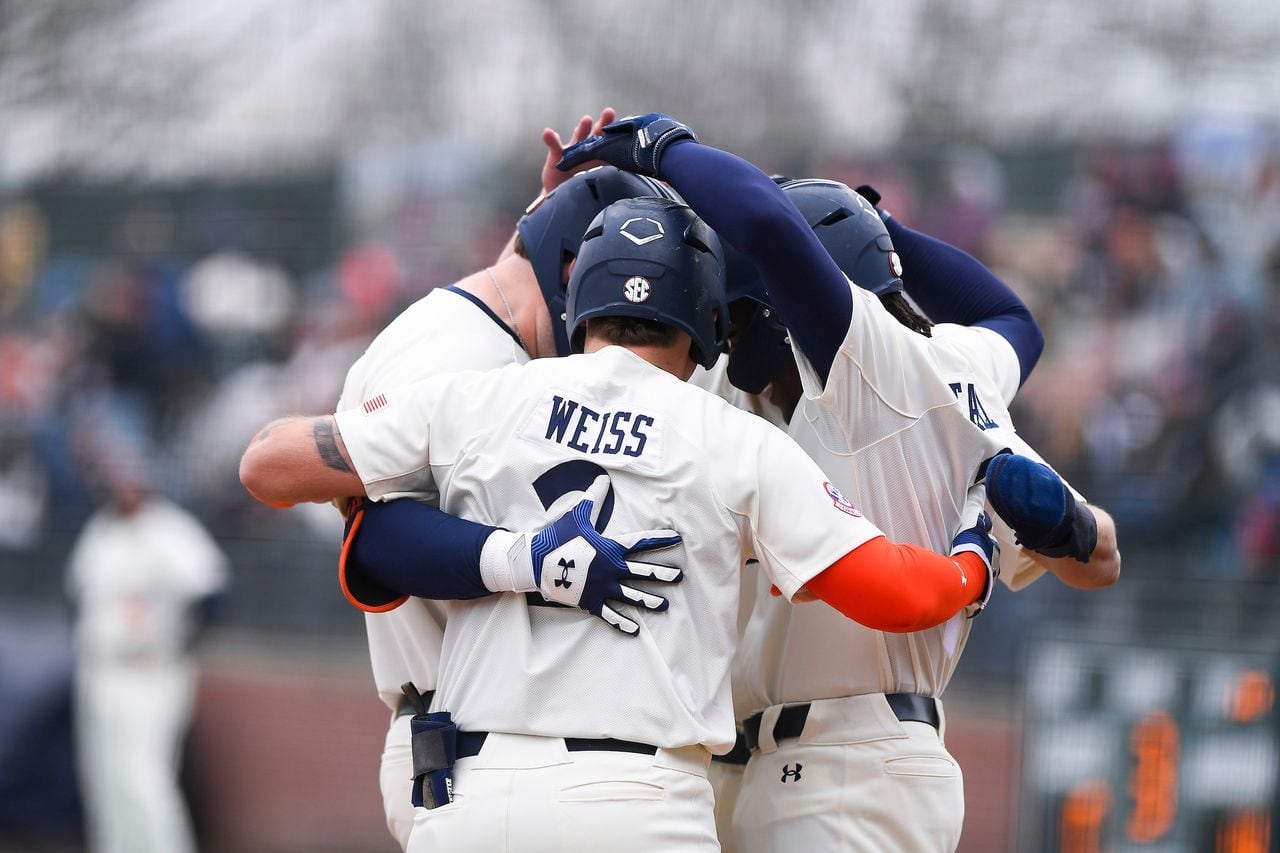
x,y
641,230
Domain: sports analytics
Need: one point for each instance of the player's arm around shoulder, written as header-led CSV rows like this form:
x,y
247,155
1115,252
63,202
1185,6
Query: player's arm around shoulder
x,y
299,459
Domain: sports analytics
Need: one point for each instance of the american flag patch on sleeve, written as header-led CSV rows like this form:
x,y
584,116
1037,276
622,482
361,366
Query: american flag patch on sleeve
x,y
372,405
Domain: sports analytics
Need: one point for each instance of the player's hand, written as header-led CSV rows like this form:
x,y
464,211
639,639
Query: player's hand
x,y
633,144
553,177
574,565
1035,502
975,538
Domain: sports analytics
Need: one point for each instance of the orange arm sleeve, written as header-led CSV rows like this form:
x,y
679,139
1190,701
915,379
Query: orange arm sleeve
x,y
900,588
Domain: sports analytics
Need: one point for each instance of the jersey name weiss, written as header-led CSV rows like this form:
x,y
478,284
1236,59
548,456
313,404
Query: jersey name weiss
x,y
581,428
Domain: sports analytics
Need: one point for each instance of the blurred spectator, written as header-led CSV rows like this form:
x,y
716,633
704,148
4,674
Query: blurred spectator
x,y
22,245
142,575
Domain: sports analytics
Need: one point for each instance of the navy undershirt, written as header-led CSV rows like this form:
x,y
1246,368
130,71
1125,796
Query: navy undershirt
x,y
413,548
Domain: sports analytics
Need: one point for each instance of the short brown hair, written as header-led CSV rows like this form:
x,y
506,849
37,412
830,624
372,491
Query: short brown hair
x,y
632,331
518,246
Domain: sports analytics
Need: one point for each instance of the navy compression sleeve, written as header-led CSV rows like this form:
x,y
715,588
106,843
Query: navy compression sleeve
x,y
748,210
416,549
952,286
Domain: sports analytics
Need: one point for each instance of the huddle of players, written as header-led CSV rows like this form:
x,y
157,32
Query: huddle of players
x,y
902,421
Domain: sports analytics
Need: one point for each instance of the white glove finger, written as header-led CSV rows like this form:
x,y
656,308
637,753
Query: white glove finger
x,y
975,502
617,620
647,540
647,600
654,572
598,491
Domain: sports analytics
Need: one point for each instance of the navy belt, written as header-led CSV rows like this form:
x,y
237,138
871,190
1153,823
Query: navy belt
x,y
907,707
470,743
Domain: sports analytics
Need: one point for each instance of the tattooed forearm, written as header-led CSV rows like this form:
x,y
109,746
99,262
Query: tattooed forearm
x,y
327,445
262,434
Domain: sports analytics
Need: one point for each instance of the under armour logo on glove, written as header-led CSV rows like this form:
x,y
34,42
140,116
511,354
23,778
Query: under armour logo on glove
x,y
593,567
563,580
788,773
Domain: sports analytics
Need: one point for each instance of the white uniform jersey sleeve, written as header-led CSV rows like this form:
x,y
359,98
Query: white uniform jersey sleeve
x,y
518,447
988,353
441,333
390,438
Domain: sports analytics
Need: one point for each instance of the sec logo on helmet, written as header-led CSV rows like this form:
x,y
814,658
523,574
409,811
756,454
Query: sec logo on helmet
x,y
637,289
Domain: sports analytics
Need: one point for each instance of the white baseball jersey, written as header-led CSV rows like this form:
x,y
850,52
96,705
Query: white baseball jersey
x,y
517,448
901,427
445,331
135,578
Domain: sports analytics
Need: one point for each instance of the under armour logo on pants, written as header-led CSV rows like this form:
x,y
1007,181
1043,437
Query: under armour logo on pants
x,y
788,773
563,580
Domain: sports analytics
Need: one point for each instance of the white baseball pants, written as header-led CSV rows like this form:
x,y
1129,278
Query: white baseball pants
x,y
532,795
857,779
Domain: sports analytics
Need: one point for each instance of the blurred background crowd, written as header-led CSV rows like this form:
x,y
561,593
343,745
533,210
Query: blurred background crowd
x,y
206,216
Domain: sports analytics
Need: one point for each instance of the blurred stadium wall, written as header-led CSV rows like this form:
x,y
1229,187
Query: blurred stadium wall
x,y
207,211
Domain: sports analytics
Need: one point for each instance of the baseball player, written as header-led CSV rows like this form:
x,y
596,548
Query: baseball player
x,y
140,573
847,750
567,731
488,319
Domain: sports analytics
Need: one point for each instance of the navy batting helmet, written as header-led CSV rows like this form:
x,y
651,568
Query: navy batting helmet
x,y
761,345
552,229
853,234
651,258
850,230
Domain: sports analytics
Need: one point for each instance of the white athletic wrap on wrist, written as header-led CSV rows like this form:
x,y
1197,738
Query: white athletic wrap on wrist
x,y
993,572
505,563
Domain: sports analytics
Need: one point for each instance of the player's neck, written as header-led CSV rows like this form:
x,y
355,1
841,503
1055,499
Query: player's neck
x,y
673,359
510,290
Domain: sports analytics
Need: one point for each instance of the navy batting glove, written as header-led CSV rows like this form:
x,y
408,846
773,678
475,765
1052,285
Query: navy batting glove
x,y
1035,502
633,144
977,539
575,565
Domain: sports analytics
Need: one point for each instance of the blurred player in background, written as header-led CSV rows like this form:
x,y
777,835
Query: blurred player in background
x,y
847,749
532,685
143,576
